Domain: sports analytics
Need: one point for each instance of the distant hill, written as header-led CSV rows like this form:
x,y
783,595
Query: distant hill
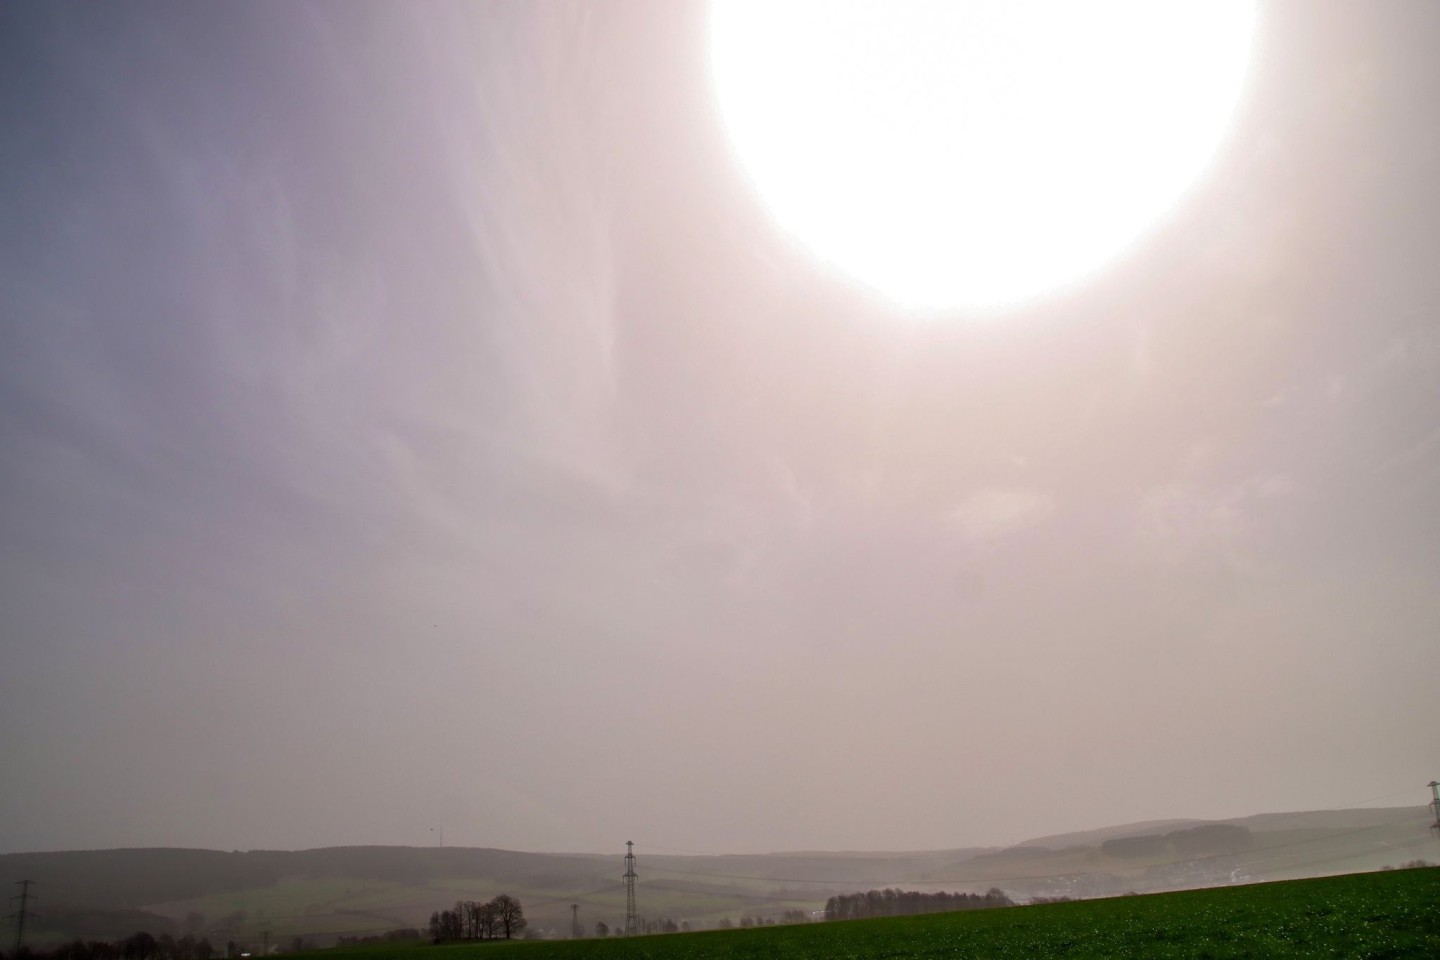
x,y
1321,819
325,893
1094,837
131,878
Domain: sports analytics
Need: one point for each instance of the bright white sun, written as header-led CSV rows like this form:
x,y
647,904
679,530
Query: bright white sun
x,y
954,154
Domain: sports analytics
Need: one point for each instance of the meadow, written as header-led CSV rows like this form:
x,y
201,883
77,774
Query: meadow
x,y
1390,915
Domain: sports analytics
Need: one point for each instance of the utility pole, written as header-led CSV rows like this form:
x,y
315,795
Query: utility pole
x,y
631,926
1435,807
575,921
20,915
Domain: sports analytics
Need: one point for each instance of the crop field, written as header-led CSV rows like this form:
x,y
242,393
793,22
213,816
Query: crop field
x,y
1392,915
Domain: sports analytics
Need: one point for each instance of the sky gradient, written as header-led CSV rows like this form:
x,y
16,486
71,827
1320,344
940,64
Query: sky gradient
x,y
409,415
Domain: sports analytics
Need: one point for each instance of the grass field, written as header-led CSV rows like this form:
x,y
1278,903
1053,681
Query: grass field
x,y
1390,915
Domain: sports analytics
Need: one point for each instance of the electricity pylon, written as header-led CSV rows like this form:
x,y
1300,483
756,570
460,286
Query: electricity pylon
x,y
20,915
632,925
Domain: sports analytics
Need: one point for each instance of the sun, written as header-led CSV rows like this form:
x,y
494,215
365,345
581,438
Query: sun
x,y
982,154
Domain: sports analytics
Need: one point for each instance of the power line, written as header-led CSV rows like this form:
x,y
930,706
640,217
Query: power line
x,y
612,887
609,887
932,881
396,921
829,857
1336,859
766,897
1387,796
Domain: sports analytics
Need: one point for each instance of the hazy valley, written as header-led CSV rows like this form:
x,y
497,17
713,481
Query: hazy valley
x,y
328,893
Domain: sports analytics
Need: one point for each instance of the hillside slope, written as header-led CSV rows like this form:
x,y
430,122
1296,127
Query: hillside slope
x,y
336,891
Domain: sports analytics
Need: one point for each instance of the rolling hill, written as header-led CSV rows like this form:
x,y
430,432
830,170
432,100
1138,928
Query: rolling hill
x,y
339,891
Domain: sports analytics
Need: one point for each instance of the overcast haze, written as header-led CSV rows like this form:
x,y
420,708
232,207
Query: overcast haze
x,y
409,414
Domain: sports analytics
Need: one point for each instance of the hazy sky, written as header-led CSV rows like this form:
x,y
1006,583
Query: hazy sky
x,y
408,413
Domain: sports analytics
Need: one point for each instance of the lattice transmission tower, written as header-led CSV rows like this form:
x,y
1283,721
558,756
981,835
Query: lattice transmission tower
x,y
632,924
20,915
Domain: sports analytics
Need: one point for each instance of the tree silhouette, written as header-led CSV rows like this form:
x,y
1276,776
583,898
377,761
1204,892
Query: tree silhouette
x,y
510,914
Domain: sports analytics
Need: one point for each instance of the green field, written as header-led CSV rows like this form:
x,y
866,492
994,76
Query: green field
x,y
1377,916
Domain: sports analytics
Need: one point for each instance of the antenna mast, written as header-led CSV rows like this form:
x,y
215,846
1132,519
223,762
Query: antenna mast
x,y
632,926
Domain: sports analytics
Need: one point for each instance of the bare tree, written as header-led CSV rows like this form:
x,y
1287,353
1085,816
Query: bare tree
x,y
138,946
489,920
469,912
510,914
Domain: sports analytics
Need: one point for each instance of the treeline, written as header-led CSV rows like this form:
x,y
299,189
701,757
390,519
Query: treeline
x,y
907,903
472,920
1206,840
746,923
137,946
398,935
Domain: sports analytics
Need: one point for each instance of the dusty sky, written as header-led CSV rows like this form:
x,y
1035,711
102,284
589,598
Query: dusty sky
x,y
409,415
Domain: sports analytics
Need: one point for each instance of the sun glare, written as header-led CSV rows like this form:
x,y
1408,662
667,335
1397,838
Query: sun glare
x,y
977,154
